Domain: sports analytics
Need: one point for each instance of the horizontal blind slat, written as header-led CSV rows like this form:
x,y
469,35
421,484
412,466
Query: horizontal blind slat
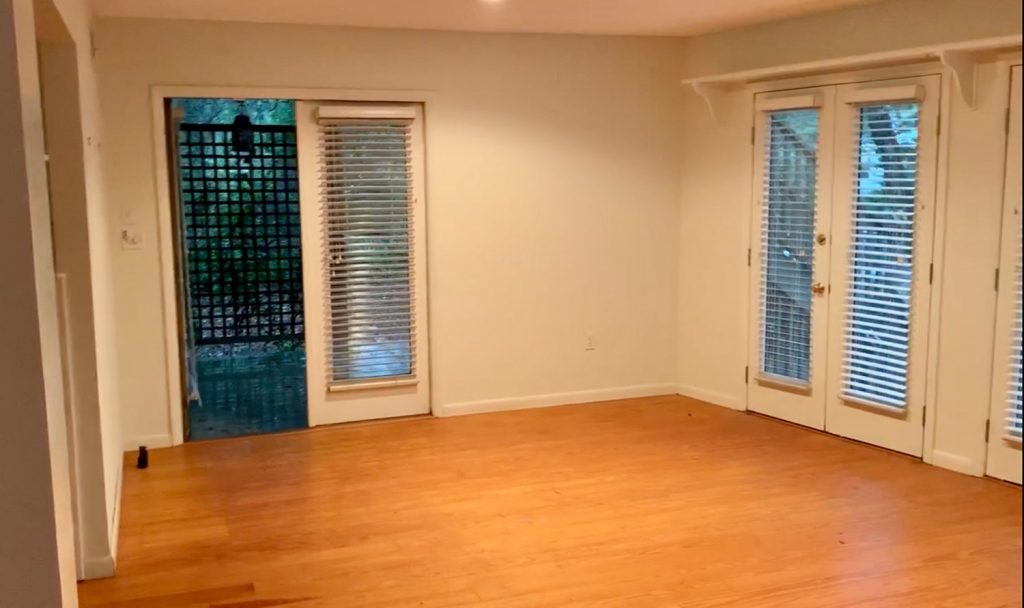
x,y
788,213
879,292
1015,373
366,197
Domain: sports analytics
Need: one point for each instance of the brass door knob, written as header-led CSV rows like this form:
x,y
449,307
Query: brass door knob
x,y
818,289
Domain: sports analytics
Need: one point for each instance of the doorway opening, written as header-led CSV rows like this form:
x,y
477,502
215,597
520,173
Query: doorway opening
x,y
235,174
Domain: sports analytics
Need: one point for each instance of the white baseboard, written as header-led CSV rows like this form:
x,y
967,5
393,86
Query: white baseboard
x,y
711,397
553,399
103,566
150,441
98,567
115,518
955,462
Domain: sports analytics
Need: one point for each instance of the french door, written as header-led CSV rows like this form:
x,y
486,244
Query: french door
x,y
793,137
361,184
841,258
1004,440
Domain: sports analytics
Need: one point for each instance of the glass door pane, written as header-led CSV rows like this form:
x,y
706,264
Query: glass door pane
x,y
882,255
787,243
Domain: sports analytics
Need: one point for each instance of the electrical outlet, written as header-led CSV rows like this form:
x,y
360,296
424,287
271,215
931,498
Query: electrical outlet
x,y
591,345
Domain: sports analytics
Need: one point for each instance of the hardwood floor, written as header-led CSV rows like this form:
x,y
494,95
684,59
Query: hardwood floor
x,y
659,502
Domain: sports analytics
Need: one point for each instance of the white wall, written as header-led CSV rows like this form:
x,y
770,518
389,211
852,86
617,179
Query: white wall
x,y
552,197
77,18
965,268
873,27
83,254
37,553
554,194
716,203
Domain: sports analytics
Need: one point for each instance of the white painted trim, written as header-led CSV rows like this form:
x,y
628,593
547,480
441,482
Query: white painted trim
x,y
553,399
788,102
371,385
71,418
714,398
169,297
958,60
165,232
98,567
103,566
115,518
364,111
150,441
937,261
857,61
869,94
955,462
296,93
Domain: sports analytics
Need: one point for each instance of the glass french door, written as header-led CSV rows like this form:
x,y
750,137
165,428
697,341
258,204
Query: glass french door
x,y
842,320
790,255
883,196
361,190
1004,439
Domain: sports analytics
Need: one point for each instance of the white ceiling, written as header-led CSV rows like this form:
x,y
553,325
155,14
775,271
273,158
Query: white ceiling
x,y
632,17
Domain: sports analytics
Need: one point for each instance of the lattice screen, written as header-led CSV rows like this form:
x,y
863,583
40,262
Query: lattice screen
x,y
241,228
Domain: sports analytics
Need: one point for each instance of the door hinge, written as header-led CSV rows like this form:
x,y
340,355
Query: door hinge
x,y
746,375
997,279
988,429
924,415
749,255
752,131
931,272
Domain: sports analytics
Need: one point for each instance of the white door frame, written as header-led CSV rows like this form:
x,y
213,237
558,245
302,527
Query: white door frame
x,y
165,218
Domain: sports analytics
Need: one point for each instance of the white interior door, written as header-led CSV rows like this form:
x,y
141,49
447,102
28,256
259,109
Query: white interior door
x,y
1004,440
361,185
790,255
884,201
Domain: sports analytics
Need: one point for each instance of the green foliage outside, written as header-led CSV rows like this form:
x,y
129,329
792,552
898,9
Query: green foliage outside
x,y
223,111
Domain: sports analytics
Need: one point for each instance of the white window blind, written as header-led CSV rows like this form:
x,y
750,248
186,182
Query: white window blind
x,y
789,198
366,190
878,307
1013,410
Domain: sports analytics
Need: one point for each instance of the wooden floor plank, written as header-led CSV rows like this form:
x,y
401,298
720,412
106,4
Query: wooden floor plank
x,y
659,502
